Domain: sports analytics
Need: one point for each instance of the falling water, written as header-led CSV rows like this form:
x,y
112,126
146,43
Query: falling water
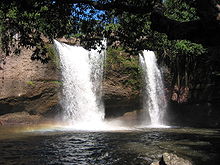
x,y
82,73
154,102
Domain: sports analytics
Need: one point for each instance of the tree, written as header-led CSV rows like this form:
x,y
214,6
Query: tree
x,y
205,29
24,22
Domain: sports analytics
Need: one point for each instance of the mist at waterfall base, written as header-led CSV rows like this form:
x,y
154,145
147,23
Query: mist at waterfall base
x,y
82,75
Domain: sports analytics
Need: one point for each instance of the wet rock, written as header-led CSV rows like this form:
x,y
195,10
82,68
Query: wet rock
x,y
20,118
155,163
130,118
171,159
28,86
119,99
202,114
70,41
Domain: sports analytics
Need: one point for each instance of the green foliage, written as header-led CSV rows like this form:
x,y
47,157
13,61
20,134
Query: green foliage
x,y
57,82
33,20
180,11
31,83
186,47
124,67
77,35
112,27
52,54
118,58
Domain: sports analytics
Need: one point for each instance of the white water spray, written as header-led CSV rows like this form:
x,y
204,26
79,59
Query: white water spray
x,y
154,101
82,73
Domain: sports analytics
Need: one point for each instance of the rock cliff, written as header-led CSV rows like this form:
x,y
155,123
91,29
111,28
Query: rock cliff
x,y
29,88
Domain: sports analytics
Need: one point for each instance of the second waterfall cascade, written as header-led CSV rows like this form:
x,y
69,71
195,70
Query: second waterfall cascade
x,y
82,73
154,100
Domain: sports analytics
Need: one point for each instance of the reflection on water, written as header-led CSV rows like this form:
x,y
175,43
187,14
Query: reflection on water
x,y
132,147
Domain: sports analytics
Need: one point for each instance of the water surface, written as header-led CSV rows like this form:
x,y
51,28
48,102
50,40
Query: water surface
x,y
132,147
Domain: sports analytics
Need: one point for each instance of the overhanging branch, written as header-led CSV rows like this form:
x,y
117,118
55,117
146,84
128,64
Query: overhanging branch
x,y
199,31
205,31
117,5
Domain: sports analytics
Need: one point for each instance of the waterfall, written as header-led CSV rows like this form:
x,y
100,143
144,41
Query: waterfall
x,y
154,101
82,73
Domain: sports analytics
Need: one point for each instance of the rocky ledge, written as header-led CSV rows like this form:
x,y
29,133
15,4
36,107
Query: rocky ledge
x,y
20,118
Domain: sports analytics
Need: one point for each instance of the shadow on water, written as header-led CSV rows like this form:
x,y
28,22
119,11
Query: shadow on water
x,y
135,147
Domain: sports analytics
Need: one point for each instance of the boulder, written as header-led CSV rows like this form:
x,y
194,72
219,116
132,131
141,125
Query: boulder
x,y
171,159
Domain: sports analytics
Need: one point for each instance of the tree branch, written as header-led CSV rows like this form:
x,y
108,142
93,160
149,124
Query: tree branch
x,y
118,5
205,31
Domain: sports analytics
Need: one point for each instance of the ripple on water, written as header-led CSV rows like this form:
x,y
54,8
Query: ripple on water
x,y
111,147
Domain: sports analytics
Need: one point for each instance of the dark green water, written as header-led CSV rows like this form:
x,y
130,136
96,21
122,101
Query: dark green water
x,y
136,147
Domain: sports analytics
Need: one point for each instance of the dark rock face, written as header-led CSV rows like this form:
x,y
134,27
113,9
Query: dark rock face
x,y
39,99
20,118
200,110
204,114
118,99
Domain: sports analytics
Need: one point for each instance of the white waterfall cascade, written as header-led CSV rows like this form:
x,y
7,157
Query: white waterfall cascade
x,y
154,100
82,74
